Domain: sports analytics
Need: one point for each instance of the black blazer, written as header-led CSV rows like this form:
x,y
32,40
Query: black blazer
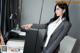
x,y
56,36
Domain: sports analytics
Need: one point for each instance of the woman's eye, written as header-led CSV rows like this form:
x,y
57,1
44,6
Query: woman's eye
x,y
57,8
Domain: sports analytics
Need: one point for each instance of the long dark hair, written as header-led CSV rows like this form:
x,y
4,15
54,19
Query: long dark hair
x,y
62,5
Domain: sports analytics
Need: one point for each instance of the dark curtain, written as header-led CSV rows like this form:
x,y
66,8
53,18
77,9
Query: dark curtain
x,y
9,15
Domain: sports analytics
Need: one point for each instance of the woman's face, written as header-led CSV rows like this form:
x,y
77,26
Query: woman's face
x,y
59,12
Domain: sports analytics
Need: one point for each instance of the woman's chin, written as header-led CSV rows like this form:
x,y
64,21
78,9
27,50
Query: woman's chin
x,y
57,15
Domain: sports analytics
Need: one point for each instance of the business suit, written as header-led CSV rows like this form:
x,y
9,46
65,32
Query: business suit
x,y
56,36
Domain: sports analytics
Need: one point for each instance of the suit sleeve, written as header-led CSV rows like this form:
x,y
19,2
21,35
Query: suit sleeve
x,y
40,26
59,38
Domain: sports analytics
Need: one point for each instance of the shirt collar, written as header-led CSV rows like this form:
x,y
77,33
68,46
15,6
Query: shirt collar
x,y
59,19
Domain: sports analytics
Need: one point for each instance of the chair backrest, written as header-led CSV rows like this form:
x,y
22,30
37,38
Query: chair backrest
x,y
67,44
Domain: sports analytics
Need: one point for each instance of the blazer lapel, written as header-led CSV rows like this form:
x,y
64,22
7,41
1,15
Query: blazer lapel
x,y
55,33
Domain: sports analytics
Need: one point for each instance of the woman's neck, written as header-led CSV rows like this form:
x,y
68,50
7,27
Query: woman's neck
x,y
60,17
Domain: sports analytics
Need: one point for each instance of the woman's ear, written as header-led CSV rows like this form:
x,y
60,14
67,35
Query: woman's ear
x,y
64,11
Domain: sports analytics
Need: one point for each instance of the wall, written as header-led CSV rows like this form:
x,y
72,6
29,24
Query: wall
x,y
74,11
31,11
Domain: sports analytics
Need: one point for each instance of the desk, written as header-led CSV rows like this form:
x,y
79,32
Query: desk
x,y
14,46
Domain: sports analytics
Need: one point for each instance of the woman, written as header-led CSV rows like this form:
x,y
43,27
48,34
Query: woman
x,y
57,27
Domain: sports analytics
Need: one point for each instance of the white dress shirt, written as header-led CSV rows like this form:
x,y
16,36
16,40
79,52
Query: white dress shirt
x,y
51,28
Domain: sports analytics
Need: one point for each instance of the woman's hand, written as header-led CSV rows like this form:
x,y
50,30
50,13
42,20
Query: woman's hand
x,y
27,26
